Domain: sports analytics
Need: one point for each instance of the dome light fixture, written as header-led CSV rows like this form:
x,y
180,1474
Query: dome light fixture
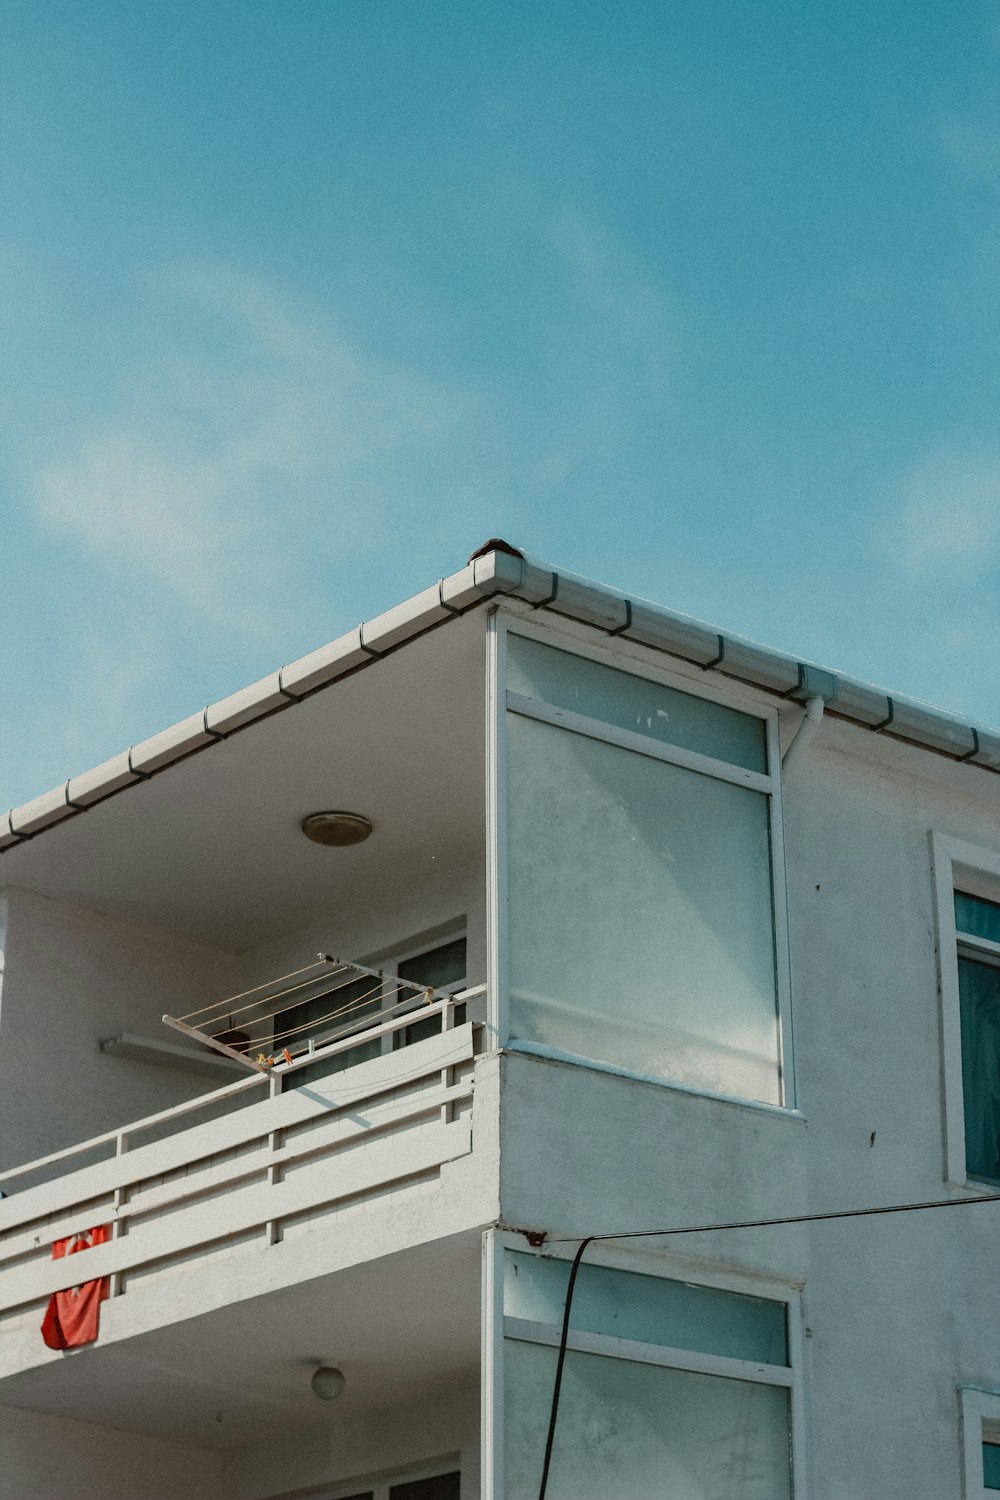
x,y
327,1383
336,829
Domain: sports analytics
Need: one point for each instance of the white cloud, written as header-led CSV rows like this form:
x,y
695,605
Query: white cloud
x,y
248,437
949,517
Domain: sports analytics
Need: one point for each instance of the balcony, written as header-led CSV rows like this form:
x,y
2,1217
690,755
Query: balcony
x,y
220,1198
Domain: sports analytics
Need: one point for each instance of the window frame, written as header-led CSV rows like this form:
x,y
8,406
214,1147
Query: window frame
x,y
958,865
390,968
625,656
979,1421
379,1488
621,1257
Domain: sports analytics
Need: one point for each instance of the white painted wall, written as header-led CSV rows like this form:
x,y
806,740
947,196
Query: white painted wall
x,y
438,1429
53,1458
898,1312
72,978
401,915
900,1308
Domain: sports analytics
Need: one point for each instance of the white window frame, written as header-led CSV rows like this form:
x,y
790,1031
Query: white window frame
x,y
958,865
390,969
628,657
380,1487
979,1414
621,1257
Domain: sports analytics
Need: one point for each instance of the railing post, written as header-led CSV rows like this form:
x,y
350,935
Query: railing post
x,y
119,1228
447,1074
275,1141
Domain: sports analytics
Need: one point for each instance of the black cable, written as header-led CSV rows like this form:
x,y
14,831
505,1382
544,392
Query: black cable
x,y
638,1234
563,1340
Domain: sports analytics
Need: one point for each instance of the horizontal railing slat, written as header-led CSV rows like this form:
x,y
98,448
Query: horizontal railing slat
x,y
345,1132
257,1080
295,1106
232,1214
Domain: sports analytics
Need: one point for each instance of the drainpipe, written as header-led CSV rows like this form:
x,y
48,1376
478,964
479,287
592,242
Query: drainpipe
x,y
805,734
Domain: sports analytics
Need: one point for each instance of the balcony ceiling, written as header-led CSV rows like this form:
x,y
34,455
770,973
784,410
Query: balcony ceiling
x,y
212,849
400,1328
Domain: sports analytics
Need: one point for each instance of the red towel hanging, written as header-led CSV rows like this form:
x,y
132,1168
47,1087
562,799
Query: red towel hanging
x,y
71,1317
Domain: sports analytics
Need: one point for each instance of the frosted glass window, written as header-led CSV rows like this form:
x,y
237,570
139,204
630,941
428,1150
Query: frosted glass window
x,y
635,703
640,913
977,917
641,1432
979,1000
991,1466
629,1305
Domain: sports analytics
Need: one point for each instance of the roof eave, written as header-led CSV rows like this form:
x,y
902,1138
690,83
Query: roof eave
x,y
503,572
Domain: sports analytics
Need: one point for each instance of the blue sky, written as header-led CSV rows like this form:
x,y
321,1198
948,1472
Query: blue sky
x,y
303,299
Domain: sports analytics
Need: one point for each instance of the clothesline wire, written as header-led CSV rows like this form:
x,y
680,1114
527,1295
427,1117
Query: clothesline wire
x,y
229,1002
382,1014
269,1042
332,1015
328,989
352,973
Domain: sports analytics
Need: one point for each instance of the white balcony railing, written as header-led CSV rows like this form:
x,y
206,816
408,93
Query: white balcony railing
x,y
169,1187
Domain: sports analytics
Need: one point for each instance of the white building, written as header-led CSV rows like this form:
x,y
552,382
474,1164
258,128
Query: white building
x,y
694,986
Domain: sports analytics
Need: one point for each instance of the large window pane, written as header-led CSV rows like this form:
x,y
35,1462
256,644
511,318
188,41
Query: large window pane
x,y
977,917
629,1305
641,929
991,1466
630,1431
979,997
635,703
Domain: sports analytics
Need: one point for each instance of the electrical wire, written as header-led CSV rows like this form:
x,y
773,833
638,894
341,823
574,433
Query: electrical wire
x,y
638,1234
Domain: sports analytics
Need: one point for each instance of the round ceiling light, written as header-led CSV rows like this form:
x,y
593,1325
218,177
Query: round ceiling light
x,y
327,1383
336,829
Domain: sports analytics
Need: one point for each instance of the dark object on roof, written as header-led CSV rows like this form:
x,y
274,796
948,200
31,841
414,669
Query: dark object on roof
x,y
496,544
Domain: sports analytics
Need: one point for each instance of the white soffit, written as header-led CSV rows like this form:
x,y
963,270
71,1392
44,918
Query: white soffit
x,y
213,851
500,572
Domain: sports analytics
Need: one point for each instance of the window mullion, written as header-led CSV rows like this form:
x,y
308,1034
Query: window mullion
x,y
978,947
627,739
608,1346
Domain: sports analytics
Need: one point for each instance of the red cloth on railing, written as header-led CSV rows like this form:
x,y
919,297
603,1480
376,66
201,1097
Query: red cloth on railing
x,y
71,1317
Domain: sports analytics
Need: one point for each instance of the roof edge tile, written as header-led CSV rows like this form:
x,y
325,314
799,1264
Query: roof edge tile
x,y
506,571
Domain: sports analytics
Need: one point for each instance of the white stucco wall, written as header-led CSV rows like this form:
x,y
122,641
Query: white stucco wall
x,y
72,978
403,914
438,1430
895,1308
53,1458
896,1305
